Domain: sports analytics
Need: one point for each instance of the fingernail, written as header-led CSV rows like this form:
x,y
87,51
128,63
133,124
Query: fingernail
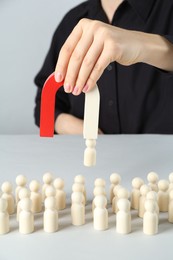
x,y
67,88
75,90
85,89
58,77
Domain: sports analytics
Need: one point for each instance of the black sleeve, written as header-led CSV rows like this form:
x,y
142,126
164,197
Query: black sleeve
x,y
169,38
59,37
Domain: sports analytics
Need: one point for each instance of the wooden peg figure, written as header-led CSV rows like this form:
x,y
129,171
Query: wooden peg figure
x,y
153,178
80,179
123,217
21,183
26,217
90,152
122,193
23,193
135,194
100,213
115,179
50,218
163,195
77,187
170,207
152,195
143,191
150,219
115,198
60,195
4,217
35,196
7,194
77,209
98,190
47,181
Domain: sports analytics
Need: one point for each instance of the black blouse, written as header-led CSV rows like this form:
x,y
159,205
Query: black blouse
x,y
134,99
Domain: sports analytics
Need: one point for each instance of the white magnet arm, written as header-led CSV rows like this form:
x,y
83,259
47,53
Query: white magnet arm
x,y
90,129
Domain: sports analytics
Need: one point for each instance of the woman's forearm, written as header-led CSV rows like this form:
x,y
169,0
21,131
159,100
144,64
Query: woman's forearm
x,y
157,51
68,124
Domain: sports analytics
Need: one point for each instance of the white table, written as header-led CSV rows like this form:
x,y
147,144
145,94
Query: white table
x,y
130,156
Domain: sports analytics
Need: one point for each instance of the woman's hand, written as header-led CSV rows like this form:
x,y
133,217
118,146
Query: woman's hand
x,y
89,49
93,45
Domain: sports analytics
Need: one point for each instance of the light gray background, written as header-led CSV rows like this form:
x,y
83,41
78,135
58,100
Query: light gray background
x,y
26,29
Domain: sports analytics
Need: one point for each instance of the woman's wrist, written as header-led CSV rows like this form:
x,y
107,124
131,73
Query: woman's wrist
x,y
156,51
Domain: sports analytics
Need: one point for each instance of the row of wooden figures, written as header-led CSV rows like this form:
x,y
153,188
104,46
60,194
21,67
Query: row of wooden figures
x,y
147,199
50,187
28,202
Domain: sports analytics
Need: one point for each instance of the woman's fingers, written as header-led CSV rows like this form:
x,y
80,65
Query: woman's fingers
x,y
78,57
83,57
75,63
87,66
97,71
66,52
89,49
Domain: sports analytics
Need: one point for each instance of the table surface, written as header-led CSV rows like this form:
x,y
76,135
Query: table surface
x,y
128,155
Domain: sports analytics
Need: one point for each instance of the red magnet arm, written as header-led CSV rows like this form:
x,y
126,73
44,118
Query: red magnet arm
x,y
48,106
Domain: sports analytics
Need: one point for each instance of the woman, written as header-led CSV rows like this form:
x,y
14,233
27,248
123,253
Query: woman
x,y
127,47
